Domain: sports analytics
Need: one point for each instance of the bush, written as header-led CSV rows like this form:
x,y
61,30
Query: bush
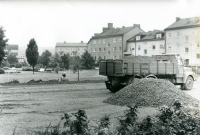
x,y
18,65
2,71
30,69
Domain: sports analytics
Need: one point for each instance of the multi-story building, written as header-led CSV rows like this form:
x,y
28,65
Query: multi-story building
x,y
12,49
22,58
147,43
111,43
183,38
71,48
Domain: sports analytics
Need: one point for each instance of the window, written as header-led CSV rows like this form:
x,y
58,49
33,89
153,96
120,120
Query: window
x,y
104,49
137,37
95,57
99,49
158,36
178,44
114,40
133,48
178,34
161,47
120,39
120,48
115,57
108,52
145,51
108,44
153,47
94,42
186,49
104,57
186,38
99,41
114,48
103,40
197,32
197,44
94,50
138,47
120,56
169,46
198,56
168,35
78,49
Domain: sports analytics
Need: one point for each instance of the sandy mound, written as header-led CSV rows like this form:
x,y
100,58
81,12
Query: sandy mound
x,y
151,92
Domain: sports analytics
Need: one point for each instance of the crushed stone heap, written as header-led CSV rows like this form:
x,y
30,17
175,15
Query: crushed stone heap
x,y
151,92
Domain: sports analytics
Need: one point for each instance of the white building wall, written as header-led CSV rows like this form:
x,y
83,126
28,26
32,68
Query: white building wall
x,y
179,44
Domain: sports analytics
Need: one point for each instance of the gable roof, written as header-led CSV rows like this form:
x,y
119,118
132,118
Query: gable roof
x,y
146,36
185,23
115,32
12,47
71,45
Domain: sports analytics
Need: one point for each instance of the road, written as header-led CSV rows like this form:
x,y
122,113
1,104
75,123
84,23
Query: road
x,y
34,107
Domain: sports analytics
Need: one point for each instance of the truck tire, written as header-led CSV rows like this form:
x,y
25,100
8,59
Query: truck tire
x,y
114,89
188,85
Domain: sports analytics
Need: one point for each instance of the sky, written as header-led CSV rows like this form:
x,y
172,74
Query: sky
x,y
55,21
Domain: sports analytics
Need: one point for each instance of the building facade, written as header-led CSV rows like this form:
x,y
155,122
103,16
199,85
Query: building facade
x,y
111,43
183,38
72,48
147,43
12,49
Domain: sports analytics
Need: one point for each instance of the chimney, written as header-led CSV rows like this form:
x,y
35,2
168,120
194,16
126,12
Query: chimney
x,y
81,42
110,25
64,42
177,19
187,20
123,26
136,25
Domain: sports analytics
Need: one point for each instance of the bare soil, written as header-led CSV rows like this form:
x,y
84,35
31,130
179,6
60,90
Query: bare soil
x,y
34,107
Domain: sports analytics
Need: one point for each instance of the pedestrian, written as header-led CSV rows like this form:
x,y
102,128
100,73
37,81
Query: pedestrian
x,y
63,75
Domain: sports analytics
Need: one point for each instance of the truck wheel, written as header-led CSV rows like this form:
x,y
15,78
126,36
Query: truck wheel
x,y
188,85
114,89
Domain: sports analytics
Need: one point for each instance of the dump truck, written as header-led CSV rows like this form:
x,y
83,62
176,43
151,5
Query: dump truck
x,y
122,72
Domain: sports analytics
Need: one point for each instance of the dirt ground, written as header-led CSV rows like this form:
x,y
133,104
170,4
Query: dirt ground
x,y
34,107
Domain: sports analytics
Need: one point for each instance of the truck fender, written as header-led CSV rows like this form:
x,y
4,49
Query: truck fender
x,y
151,76
137,76
186,76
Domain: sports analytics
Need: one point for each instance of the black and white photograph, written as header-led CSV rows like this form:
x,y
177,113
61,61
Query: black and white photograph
x,y
99,67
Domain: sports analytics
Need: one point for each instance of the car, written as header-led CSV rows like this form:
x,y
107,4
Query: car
x,y
41,70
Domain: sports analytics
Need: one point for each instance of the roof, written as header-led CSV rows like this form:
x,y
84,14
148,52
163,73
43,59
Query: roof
x,y
71,45
12,47
185,23
115,32
146,36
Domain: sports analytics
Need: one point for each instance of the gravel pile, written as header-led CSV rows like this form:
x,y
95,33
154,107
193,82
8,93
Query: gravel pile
x,y
151,92
147,59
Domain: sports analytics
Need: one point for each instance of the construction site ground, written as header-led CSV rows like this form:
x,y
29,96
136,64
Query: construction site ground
x,y
34,107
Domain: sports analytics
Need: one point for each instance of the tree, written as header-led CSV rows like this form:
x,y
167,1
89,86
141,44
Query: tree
x,y
88,61
12,59
54,60
65,60
44,59
75,64
32,53
3,43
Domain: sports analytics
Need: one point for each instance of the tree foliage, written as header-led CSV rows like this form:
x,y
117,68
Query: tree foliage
x,y
32,53
3,43
88,61
12,59
65,61
44,59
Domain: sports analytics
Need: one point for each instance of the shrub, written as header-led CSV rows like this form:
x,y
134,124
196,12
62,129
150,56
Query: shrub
x,y
2,71
18,65
30,69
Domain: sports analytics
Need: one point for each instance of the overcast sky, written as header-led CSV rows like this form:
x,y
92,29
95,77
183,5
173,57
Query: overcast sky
x,y
53,21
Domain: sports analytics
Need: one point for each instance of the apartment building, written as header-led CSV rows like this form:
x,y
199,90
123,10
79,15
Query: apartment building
x,y
71,48
111,43
147,43
183,38
12,49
